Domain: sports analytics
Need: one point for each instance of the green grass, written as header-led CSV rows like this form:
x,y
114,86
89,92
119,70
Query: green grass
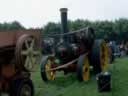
x,y
68,85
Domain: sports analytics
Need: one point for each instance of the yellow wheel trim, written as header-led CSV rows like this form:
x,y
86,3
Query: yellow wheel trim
x,y
50,74
86,70
104,58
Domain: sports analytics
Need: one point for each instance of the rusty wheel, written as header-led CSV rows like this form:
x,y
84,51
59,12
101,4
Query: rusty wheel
x,y
26,52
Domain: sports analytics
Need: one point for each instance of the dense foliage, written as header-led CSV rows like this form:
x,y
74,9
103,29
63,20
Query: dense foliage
x,y
112,30
11,26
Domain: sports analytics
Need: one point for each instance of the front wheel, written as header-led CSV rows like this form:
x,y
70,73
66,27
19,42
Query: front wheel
x,y
83,71
46,66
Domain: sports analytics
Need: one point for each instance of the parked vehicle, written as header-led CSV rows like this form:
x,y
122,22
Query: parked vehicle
x,y
76,51
18,52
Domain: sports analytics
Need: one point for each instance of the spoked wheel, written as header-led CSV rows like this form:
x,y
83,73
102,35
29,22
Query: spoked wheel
x,y
99,56
22,88
27,52
46,66
83,71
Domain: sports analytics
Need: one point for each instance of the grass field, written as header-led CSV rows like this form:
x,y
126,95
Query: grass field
x,y
68,85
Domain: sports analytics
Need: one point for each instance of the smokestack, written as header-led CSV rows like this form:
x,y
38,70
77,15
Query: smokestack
x,y
64,25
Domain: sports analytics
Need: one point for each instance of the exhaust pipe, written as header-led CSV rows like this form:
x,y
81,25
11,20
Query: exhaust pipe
x,y
64,25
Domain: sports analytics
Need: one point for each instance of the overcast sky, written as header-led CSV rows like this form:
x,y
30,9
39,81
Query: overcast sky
x,y
36,13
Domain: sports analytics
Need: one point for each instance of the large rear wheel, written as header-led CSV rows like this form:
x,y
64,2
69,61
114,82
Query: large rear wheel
x,y
99,56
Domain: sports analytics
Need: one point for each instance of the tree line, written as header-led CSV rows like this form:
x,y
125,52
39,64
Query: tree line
x,y
111,30
15,25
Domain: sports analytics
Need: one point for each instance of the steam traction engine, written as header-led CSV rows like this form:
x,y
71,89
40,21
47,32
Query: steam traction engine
x,y
75,52
18,52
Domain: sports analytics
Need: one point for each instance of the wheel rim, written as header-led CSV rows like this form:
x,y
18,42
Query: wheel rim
x,y
86,70
27,52
26,91
104,56
50,74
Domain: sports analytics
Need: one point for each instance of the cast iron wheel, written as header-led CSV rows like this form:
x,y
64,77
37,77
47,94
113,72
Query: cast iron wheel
x,y
83,70
99,56
26,52
46,65
21,87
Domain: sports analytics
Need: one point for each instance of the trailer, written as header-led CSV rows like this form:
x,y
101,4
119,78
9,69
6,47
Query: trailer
x,y
19,50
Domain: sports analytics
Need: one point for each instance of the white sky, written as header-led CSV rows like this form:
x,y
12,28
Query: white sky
x,y
36,13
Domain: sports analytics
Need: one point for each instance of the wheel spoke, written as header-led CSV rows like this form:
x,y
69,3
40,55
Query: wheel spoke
x,y
50,74
27,62
24,52
32,43
33,60
26,44
36,53
30,64
49,62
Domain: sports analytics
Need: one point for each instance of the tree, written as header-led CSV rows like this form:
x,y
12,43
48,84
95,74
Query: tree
x,y
11,26
113,30
52,28
16,25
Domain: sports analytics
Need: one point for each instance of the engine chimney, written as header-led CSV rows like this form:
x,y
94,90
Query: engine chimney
x,y
64,25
